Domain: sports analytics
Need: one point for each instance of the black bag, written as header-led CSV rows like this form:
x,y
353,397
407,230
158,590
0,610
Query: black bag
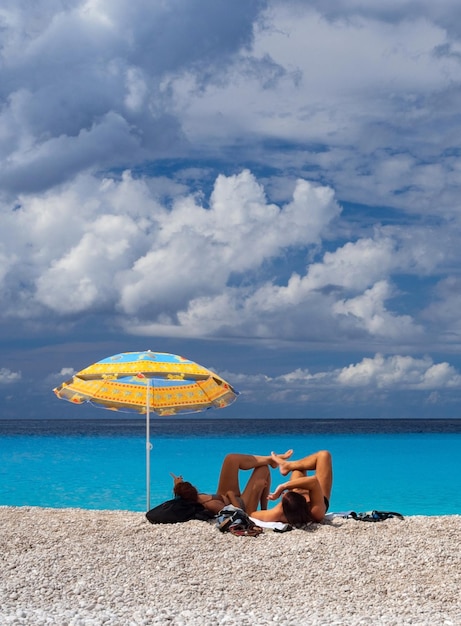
x,y
178,510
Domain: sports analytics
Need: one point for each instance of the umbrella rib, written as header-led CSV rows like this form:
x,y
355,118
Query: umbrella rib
x,y
161,375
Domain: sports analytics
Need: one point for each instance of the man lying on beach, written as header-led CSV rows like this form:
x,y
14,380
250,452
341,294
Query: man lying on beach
x,y
304,498
255,493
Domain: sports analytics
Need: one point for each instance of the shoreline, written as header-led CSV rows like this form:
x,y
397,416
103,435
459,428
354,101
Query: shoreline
x,y
89,567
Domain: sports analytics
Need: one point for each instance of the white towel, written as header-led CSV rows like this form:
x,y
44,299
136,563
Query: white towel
x,y
280,526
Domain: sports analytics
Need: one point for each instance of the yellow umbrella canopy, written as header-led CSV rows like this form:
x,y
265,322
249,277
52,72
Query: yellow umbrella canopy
x,y
163,383
145,382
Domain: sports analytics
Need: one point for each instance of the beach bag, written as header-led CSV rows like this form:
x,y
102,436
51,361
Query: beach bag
x,y
374,516
235,521
178,510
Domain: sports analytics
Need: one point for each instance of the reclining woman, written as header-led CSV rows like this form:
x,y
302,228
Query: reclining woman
x,y
304,498
256,490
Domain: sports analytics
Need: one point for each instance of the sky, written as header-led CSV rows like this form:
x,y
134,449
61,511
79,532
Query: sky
x,y
269,188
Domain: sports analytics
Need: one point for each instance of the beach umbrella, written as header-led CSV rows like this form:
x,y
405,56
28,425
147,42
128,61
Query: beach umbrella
x,y
148,382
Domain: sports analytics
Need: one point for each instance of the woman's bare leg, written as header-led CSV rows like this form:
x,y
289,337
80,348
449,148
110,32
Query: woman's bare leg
x,y
256,487
264,496
320,462
324,472
229,477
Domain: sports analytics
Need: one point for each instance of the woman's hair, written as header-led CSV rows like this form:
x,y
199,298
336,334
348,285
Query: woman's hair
x,y
296,509
186,491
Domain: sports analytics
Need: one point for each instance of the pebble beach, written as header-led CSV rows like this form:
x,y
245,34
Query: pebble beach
x,y
77,567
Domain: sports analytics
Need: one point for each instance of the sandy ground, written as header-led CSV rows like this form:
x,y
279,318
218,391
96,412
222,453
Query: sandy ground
x,y
79,567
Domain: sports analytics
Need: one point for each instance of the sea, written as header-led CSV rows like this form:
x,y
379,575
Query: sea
x,y
407,466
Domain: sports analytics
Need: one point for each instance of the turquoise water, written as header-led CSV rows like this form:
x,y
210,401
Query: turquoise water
x,y
412,473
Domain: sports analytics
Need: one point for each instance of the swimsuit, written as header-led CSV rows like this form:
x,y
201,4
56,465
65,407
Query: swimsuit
x,y
218,496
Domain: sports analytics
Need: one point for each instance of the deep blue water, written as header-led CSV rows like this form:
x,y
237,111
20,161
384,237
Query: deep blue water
x,y
410,466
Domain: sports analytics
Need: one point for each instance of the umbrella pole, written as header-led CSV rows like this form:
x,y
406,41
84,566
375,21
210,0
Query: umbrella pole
x,y
148,446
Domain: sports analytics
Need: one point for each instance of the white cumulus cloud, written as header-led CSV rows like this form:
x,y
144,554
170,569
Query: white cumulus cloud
x,y
8,377
400,372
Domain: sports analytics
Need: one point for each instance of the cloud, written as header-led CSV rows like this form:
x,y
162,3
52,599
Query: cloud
x,y
48,163
400,372
392,12
155,258
90,86
7,377
393,373
198,250
65,373
444,310
99,245
85,85
362,97
370,310
310,306
371,387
